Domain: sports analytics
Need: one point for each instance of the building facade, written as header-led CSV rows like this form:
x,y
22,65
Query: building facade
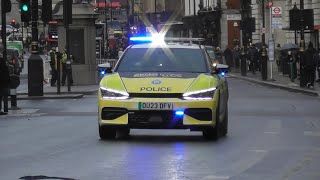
x,y
284,34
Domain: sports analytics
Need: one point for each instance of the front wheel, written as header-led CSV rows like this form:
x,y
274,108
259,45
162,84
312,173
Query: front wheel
x,y
107,132
225,123
213,133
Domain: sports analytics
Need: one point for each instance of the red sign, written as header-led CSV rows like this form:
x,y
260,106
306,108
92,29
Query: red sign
x,y
270,4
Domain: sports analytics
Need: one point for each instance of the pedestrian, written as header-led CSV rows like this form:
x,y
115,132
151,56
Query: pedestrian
x,y
219,55
278,56
236,56
4,83
53,64
66,68
310,66
318,66
228,56
253,58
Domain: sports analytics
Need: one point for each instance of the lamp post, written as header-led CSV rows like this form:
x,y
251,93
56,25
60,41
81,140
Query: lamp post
x,y
264,65
302,47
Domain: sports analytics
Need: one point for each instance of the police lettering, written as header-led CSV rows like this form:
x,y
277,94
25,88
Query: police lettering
x,y
155,89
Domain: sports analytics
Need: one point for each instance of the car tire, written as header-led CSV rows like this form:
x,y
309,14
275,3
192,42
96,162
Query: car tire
x,y
213,133
225,123
107,132
124,133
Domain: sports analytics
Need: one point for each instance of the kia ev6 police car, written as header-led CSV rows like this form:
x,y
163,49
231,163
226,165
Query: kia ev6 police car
x,y
172,85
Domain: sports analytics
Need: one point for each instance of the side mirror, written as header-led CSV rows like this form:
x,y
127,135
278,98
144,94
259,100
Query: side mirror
x,y
221,69
109,70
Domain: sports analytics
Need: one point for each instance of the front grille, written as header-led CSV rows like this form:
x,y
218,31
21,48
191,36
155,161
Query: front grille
x,y
161,118
112,113
202,114
155,95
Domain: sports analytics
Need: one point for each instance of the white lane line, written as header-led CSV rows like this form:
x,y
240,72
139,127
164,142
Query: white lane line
x,y
311,133
271,132
213,177
258,150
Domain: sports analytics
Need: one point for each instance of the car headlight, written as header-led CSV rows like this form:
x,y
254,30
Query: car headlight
x,y
206,94
113,94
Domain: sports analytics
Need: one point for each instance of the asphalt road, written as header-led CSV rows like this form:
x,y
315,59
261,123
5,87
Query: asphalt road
x,y
273,135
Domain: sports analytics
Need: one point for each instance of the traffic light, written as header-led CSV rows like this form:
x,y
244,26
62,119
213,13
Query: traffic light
x,y
46,15
7,5
25,10
248,25
301,19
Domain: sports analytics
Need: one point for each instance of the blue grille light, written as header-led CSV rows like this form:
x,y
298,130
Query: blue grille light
x,y
179,113
223,73
103,72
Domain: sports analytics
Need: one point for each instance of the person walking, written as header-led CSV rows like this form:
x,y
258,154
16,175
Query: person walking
x,y
4,83
318,66
236,56
228,56
219,55
278,56
310,65
66,68
253,57
53,64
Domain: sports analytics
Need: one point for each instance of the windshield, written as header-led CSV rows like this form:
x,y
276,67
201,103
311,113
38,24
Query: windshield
x,y
157,60
116,25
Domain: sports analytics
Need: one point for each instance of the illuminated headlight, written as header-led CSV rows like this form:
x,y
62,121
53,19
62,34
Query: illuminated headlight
x,y
113,94
206,94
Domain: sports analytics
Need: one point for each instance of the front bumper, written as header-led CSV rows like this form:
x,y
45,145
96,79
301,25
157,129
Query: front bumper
x,y
126,113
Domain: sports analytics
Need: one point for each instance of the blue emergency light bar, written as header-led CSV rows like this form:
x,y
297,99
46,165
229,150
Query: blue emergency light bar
x,y
150,39
141,39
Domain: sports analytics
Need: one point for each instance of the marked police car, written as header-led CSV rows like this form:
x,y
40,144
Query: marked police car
x,y
170,85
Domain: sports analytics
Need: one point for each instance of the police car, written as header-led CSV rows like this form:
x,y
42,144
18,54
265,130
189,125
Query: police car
x,y
167,85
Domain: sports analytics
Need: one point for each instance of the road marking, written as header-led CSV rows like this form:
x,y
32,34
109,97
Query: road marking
x,y
258,151
311,133
271,132
213,177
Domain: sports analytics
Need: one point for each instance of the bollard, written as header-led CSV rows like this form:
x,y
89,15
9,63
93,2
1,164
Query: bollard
x,y
5,104
13,99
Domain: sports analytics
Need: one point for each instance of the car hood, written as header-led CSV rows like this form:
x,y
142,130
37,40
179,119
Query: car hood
x,y
158,82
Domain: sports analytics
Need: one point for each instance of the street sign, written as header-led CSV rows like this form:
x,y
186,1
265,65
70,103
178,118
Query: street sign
x,y
271,50
263,30
276,22
276,11
270,4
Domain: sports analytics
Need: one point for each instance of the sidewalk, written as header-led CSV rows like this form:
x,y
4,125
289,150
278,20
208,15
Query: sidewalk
x,y
280,81
51,92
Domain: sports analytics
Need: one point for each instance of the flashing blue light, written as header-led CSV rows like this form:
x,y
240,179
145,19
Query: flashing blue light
x,y
223,73
103,72
141,39
179,113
